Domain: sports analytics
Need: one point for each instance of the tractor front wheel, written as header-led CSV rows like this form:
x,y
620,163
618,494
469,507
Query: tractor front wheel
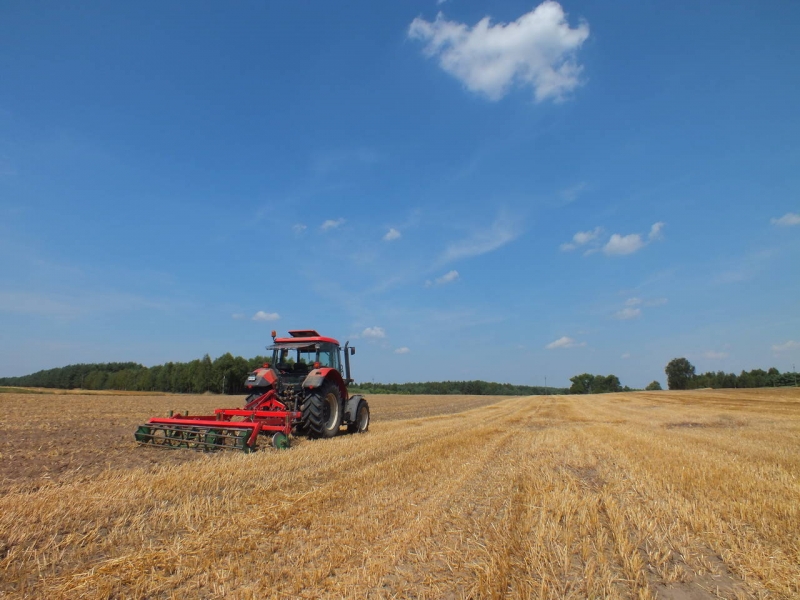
x,y
361,424
322,412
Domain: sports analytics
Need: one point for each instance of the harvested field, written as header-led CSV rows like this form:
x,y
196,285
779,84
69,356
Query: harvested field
x,y
675,495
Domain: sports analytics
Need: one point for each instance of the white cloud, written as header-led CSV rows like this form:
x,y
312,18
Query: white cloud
x,y
623,244
655,231
299,228
581,239
265,316
331,224
564,342
448,277
787,220
238,316
373,333
785,347
620,245
628,313
633,301
501,232
537,50
392,234
715,355
402,350
626,355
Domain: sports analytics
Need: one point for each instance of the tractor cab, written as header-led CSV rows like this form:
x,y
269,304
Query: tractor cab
x,y
299,356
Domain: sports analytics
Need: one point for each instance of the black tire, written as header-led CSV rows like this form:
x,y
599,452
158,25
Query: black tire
x,y
361,424
322,412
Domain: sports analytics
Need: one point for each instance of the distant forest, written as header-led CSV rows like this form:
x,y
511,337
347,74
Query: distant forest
x,y
227,375
681,375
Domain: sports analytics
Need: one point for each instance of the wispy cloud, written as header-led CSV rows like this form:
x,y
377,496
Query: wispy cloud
x,y
299,228
655,231
238,316
787,220
537,51
570,194
74,305
653,302
749,266
332,224
626,356
485,240
786,347
628,313
448,277
564,342
633,307
402,350
374,333
392,235
265,316
712,355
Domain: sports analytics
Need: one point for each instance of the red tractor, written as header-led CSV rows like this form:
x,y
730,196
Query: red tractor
x,y
301,392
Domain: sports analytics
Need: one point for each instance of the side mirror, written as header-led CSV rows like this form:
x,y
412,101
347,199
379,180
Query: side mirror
x,y
352,350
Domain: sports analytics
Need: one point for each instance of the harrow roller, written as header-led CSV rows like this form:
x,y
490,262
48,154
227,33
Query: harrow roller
x,y
173,436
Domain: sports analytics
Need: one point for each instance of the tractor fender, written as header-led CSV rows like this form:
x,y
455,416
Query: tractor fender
x,y
319,376
351,408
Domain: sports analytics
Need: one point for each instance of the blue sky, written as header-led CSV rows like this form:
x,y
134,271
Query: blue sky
x,y
466,190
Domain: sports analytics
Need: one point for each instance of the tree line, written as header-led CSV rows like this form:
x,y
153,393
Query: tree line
x,y
227,375
681,376
586,383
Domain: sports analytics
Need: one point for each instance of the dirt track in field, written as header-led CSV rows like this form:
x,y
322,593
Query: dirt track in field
x,y
47,438
680,496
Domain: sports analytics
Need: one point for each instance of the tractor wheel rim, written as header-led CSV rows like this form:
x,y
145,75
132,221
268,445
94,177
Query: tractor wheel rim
x,y
331,410
363,419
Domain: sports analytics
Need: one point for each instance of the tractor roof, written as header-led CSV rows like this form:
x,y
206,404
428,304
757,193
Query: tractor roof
x,y
303,337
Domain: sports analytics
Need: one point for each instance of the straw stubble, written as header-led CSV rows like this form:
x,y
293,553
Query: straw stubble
x,y
638,495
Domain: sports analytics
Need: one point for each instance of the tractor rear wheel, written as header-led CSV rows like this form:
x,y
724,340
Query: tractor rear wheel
x,y
322,411
361,424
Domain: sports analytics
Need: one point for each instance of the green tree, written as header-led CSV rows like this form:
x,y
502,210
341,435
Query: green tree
x,y
653,386
582,384
680,373
604,385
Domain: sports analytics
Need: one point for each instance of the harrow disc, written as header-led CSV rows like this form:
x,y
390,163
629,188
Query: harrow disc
x,y
280,441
